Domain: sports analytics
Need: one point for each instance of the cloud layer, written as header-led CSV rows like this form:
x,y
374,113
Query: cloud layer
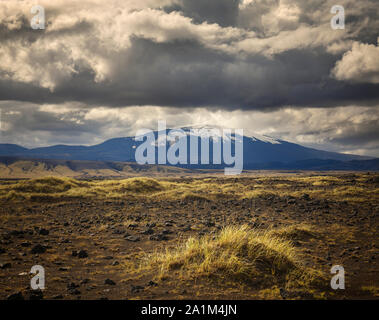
x,y
102,69
251,54
345,129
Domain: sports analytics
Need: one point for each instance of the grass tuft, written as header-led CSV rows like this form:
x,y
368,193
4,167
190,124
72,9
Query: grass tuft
x,y
237,253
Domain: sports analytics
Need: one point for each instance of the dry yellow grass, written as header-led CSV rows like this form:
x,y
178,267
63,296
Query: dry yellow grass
x,y
318,187
237,253
374,290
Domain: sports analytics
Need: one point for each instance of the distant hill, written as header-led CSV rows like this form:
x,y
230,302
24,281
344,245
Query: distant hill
x,y
16,168
260,152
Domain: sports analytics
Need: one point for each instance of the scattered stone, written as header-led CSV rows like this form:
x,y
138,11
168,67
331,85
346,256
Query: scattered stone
x,y
44,232
72,285
159,237
16,233
305,196
63,269
115,263
82,254
75,292
73,288
283,293
209,224
38,249
148,231
109,282
6,265
152,284
16,296
136,289
25,244
35,294
150,225
132,238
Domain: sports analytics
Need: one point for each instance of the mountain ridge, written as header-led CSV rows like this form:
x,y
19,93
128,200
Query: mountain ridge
x,y
259,152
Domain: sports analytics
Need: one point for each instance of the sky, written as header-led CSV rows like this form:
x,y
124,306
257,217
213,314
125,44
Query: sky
x,y
104,69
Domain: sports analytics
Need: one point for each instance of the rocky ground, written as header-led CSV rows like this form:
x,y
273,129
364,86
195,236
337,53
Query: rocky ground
x,y
87,246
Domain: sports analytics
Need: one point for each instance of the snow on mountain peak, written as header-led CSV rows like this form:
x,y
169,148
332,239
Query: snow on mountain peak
x,y
204,129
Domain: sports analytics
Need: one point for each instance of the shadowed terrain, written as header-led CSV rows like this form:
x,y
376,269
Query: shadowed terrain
x,y
257,236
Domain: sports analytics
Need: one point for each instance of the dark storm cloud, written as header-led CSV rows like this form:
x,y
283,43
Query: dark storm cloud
x,y
359,134
222,12
227,54
187,74
34,118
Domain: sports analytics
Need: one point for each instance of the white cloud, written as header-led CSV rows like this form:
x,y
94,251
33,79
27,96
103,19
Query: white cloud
x,y
342,129
360,64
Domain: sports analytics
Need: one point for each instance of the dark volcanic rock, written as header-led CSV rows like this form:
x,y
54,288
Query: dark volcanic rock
x,y
82,254
6,265
72,285
209,224
35,294
16,296
25,244
148,231
44,232
109,282
38,249
159,237
117,231
73,288
305,196
136,289
151,225
132,238
16,233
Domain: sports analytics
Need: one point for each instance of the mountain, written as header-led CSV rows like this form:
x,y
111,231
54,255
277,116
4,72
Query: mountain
x,y
260,152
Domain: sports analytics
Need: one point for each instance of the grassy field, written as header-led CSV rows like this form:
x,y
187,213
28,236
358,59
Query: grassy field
x,y
251,237
336,188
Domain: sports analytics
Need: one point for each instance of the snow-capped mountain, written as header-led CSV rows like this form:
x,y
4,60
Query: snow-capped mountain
x,y
259,151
